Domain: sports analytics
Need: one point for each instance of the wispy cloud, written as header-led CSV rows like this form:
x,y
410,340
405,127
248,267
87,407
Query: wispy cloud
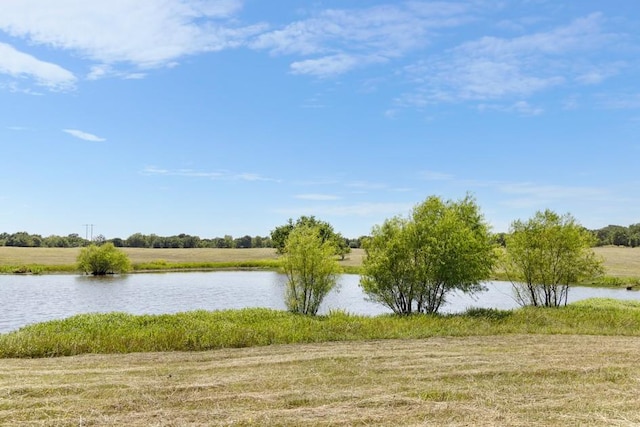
x,y
332,65
19,64
622,101
493,68
317,197
369,209
84,135
215,175
367,185
526,194
522,108
336,41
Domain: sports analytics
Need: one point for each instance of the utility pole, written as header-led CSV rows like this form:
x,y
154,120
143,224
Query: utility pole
x,y
86,231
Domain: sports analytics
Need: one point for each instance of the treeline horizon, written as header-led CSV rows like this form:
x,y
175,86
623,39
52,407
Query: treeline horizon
x,y
614,235
139,240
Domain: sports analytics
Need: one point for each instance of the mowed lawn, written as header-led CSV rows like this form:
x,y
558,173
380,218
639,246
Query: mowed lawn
x,y
619,261
515,380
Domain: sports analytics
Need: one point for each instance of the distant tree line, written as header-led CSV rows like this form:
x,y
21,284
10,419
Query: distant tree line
x,y
26,240
618,235
615,235
139,240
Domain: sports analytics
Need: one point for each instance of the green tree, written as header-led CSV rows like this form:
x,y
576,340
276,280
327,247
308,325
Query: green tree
x,y
310,268
545,255
412,264
243,242
279,234
101,260
24,239
137,240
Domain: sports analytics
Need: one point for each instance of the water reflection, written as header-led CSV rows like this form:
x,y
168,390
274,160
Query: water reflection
x,y
30,299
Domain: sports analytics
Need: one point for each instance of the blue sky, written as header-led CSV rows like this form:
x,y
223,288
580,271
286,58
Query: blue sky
x,y
213,117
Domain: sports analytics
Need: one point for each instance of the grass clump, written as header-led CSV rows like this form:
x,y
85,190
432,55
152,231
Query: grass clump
x,y
206,330
37,269
162,265
614,282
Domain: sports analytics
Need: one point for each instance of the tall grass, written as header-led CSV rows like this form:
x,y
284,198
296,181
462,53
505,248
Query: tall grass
x,y
204,330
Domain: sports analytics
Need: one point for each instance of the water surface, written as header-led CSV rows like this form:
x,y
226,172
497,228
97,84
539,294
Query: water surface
x,y
31,299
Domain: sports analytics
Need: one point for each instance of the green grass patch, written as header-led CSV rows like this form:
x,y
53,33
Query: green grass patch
x,y
614,282
206,330
266,264
37,269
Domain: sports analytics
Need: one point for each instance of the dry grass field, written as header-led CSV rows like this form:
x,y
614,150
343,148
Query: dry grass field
x,y
619,261
57,256
517,380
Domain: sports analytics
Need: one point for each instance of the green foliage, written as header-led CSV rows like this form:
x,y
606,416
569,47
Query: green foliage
x,y
618,235
204,330
280,234
101,260
412,264
488,313
37,269
311,270
545,255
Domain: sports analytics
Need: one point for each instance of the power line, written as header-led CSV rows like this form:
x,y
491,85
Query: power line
x,y
86,231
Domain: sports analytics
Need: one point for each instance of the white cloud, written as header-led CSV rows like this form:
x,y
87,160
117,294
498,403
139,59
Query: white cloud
x,y
84,135
492,68
332,65
144,33
216,175
19,64
339,40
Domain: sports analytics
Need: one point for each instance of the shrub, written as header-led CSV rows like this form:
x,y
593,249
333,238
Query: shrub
x,y
101,260
310,268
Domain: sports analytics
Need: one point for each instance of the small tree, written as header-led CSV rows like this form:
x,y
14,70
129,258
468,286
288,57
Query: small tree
x,y
311,269
279,234
101,260
547,254
411,265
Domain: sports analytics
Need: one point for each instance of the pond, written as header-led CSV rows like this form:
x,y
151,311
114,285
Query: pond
x,y
30,299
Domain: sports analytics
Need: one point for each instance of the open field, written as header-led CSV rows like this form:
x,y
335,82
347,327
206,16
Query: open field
x,y
619,261
61,256
493,380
